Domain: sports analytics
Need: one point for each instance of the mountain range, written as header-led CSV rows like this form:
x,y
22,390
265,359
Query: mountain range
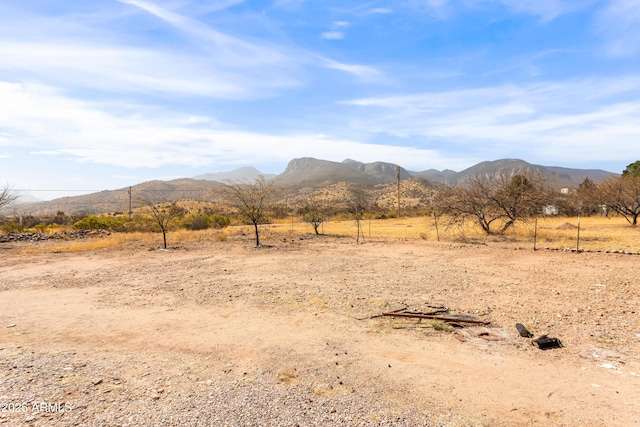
x,y
310,170
306,175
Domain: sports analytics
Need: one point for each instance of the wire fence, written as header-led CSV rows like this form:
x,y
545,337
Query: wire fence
x,y
587,234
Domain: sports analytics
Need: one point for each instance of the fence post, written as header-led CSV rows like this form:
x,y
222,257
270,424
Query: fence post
x,y
578,241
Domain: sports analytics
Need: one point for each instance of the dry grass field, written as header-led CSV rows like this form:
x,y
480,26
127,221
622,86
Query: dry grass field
x,y
596,233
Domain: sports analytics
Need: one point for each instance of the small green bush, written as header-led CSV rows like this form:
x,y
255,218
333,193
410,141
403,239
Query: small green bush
x,y
11,227
93,222
439,325
219,221
198,221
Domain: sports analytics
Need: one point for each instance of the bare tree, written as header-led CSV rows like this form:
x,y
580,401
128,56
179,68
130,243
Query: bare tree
x,y
358,204
7,196
314,213
252,200
162,214
495,205
585,200
622,195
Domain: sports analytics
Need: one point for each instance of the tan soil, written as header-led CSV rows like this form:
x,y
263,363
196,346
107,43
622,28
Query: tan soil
x,y
104,330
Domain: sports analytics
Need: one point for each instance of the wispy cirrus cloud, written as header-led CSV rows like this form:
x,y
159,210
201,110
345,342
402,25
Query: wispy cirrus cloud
x,y
235,51
546,10
569,121
242,52
86,53
130,69
288,4
364,72
619,23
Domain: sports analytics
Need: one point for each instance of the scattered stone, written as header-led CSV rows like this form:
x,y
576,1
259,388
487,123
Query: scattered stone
x,y
63,235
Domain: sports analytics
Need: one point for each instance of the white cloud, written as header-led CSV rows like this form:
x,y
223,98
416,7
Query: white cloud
x,y
238,52
436,3
361,71
619,22
218,5
222,66
381,10
547,10
570,121
124,69
48,122
336,32
332,35
288,4
45,152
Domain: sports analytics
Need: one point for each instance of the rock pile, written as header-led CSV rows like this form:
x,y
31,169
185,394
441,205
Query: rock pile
x,y
63,235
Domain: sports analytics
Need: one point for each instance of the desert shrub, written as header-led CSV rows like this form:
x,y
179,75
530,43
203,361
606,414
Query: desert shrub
x,y
61,219
200,222
280,211
141,223
195,221
11,227
29,221
41,228
219,221
93,222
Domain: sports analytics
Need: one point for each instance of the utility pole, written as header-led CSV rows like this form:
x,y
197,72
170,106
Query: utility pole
x,y
398,176
130,211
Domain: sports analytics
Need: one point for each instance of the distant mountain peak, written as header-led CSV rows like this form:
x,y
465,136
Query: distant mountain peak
x,y
246,173
314,172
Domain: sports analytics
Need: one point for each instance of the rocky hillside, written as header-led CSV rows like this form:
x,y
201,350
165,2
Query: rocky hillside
x,y
308,171
554,175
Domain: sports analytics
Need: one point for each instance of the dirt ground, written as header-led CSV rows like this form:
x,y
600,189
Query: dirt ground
x,y
227,334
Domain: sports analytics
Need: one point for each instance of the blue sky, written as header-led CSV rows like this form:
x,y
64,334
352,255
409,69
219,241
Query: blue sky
x,y
110,93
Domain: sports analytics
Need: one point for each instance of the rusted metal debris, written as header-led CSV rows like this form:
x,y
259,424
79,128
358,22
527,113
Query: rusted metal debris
x,y
524,332
437,309
545,343
450,318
